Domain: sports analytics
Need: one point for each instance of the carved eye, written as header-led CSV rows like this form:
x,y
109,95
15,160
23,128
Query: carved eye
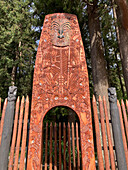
x,y
55,26
66,26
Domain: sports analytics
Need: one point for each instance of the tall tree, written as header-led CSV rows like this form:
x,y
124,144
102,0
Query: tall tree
x,y
18,45
114,68
99,73
122,18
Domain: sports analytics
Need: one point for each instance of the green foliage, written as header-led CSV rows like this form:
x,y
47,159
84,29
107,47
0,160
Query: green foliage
x,y
18,45
112,54
60,114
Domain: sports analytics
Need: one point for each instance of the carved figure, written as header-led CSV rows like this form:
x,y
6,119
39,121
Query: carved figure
x,y
12,93
60,78
60,32
112,94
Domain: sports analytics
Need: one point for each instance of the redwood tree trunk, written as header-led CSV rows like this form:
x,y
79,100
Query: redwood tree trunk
x,y
100,78
122,16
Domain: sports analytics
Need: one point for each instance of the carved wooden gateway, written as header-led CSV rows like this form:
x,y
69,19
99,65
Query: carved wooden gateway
x,y
60,79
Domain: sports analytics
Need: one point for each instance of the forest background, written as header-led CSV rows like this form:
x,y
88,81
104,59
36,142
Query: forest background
x,y
104,29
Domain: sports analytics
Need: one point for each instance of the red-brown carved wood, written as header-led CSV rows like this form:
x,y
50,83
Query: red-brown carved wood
x,y
60,78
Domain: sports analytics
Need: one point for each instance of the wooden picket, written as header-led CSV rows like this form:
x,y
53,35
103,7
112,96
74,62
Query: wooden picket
x,y
55,147
68,141
109,136
59,145
64,133
2,119
46,146
78,148
123,130
0,105
69,147
12,150
19,135
125,118
107,154
97,131
24,136
61,141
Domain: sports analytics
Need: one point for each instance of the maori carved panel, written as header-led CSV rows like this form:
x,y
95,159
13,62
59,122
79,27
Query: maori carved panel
x,y
60,78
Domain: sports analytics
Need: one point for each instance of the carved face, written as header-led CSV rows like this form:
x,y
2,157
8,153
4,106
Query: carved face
x,y
60,32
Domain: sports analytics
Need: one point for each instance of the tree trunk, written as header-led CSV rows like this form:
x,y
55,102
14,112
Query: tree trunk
x,y
100,78
14,68
122,17
119,75
13,75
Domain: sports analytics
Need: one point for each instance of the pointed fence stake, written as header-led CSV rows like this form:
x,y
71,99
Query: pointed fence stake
x,y
7,128
14,135
104,134
98,138
109,136
2,119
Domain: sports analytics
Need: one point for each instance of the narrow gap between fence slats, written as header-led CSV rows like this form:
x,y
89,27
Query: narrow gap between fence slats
x,y
19,135
98,139
64,135
55,147
50,163
73,147
125,118
2,119
59,145
123,133
14,135
77,145
69,147
42,144
109,136
106,156
46,146
24,137
0,104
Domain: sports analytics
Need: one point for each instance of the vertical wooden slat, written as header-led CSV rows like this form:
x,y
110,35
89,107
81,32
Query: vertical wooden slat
x,y
64,134
2,119
42,145
73,147
109,136
127,105
14,135
78,150
106,156
98,140
125,118
19,134
123,133
55,147
24,136
50,163
46,146
69,147
0,105
59,145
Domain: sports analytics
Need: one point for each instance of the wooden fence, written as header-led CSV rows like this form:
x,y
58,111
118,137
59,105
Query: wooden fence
x,y
61,141
103,129
19,136
61,149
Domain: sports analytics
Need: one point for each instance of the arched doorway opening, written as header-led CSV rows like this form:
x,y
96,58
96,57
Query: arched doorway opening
x,y
61,146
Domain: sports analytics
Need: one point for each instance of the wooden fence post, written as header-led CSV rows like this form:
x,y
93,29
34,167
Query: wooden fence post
x,y
119,148
7,128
